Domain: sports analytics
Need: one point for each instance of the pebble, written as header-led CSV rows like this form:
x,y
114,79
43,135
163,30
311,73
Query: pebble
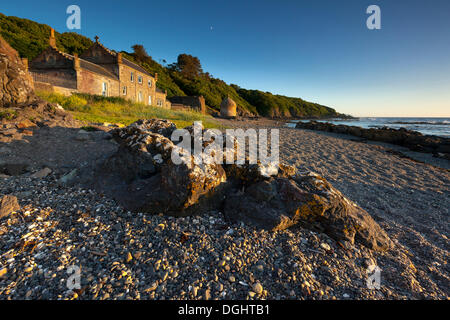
x,y
129,257
258,288
59,226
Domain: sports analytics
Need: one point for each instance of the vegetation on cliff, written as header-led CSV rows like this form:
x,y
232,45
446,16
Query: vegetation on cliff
x,y
30,38
271,105
184,77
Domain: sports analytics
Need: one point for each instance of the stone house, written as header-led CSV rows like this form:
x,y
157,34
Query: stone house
x,y
99,71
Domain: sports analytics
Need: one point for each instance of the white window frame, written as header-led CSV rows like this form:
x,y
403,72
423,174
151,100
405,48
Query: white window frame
x,y
140,80
124,90
150,100
140,96
150,83
132,77
105,89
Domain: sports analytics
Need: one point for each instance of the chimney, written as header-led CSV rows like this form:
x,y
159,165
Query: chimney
x,y
25,63
119,57
52,40
156,77
76,61
96,39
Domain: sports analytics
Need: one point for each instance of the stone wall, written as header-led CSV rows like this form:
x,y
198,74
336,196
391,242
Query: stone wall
x,y
51,58
134,87
43,86
56,77
92,83
189,102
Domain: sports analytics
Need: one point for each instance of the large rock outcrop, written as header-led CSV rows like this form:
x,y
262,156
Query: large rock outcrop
x,y
142,177
278,202
16,85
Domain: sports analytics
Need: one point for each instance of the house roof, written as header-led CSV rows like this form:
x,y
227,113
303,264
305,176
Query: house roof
x,y
136,67
124,60
96,69
86,64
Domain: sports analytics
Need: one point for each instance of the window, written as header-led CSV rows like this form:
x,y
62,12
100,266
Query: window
x,y
132,77
150,83
104,89
159,103
124,90
140,79
140,96
150,100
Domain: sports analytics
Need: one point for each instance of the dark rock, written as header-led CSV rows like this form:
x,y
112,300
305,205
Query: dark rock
x,y
403,137
13,169
69,178
41,173
83,136
308,200
8,204
142,177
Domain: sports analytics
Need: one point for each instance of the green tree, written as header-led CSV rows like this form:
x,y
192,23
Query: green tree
x,y
189,66
140,54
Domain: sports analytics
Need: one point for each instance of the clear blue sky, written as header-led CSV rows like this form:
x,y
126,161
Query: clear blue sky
x,y
319,50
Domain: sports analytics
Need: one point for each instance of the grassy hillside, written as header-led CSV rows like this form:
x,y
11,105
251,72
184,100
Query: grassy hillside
x,y
99,109
29,38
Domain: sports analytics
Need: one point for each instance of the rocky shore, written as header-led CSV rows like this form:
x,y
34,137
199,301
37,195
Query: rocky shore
x,y
438,146
137,255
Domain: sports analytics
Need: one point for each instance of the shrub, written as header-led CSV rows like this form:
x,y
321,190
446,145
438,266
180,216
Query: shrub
x,y
7,114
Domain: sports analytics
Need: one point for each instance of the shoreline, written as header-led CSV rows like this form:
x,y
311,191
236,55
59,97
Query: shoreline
x,y
413,140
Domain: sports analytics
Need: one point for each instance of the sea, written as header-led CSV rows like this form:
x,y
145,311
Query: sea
x,y
428,126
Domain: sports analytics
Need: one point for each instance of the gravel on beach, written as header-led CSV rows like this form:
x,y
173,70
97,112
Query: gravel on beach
x,y
124,255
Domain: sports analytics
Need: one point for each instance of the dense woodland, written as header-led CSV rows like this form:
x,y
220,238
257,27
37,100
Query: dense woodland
x,y
183,77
